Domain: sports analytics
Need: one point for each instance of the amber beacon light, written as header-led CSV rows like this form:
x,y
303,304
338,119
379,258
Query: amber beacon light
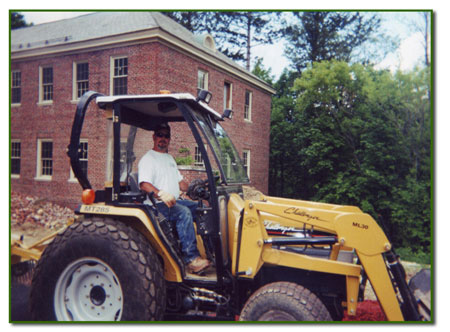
x,y
88,196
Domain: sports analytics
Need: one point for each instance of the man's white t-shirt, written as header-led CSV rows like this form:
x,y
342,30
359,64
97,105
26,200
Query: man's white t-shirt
x,y
160,169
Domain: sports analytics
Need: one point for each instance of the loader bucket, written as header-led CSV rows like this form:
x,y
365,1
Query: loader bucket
x,y
420,285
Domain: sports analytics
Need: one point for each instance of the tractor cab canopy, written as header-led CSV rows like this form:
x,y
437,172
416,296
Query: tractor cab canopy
x,y
148,111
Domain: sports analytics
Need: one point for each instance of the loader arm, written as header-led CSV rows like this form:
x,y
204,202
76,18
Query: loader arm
x,y
345,226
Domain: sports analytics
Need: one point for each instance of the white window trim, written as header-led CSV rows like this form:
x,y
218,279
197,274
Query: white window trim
x,y
248,160
41,87
39,175
74,80
12,74
16,176
250,106
72,177
111,72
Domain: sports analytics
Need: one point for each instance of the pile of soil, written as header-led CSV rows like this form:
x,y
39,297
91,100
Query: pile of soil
x,y
33,218
367,311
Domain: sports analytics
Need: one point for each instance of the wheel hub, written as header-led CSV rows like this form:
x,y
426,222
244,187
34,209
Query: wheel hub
x,y
88,290
98,295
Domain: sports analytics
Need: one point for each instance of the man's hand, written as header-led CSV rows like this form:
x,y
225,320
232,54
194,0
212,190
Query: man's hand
x,y
167,198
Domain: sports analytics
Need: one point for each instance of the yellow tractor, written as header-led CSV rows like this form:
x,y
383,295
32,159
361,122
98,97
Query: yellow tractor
x,y
274,259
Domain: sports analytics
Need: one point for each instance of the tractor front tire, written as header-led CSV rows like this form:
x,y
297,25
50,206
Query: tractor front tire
x,y
284,301
98,270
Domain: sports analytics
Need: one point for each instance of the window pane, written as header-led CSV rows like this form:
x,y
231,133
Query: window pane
x,y
247,106
16,95
47,150
120,86
15,166
120,80
82,88
121,67
82,71
48,92
15,149
82,79
16,84
15,157
245,160
16,79
47,83
198,160
47,75
227,96
47,167
202,81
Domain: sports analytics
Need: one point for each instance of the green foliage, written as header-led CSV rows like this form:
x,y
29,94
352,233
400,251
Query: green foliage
x,y
261,72
18,21
408,255
349,134
184,158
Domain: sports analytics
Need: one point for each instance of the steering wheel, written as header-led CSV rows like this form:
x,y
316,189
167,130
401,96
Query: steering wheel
x,y
198,189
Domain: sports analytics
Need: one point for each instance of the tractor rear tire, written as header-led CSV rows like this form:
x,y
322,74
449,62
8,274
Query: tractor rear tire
x,y
98,270
284,301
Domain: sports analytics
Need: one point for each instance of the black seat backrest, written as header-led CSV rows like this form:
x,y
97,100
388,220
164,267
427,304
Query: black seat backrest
x,y
133,182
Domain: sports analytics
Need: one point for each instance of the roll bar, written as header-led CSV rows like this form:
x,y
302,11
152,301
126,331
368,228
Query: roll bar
x,y
73,149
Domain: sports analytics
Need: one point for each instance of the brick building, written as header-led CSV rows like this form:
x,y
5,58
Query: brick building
x,y
53,64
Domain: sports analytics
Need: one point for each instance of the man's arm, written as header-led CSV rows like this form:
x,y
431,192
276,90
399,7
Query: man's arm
x,y
184,186
166,197
148,187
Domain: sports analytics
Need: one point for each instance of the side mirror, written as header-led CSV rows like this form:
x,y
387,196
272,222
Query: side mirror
x,y
204,95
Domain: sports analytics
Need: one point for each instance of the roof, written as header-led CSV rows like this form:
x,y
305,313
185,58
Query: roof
x,y
106,28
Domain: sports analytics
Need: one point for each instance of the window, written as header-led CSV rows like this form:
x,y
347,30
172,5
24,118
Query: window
x,y
227,91
119,76
45,159
81,79
202,82
46,84
16,85
246,161
198,159
83,157
15,158
248,106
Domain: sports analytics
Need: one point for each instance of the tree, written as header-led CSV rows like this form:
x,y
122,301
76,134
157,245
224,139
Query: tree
x,y
17,21
283,144
261,72
349,134
235,33
319,36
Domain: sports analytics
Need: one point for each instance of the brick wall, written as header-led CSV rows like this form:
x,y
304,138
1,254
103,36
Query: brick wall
x,y
151,67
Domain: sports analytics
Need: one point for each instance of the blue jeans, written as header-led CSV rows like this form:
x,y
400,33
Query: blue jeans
x,y
182,213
